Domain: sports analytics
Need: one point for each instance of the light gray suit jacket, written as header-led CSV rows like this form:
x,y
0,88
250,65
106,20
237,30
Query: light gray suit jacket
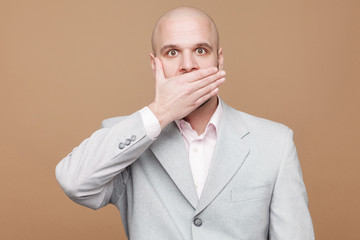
x,y
254,189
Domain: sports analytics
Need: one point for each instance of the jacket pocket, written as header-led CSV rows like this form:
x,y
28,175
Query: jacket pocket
x,y
244,194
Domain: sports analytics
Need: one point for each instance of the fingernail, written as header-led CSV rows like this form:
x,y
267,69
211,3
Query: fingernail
x,y
215,69
222,73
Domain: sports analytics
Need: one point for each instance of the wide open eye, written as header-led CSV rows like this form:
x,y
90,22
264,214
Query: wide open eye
x,y
200,51
173,53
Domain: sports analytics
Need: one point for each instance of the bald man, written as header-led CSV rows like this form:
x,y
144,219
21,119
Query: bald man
x,y
188,166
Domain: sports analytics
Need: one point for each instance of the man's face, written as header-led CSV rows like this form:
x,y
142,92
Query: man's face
x,y
187,44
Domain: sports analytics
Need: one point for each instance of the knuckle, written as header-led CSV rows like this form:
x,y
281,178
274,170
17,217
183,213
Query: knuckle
x,y
192,104
188,91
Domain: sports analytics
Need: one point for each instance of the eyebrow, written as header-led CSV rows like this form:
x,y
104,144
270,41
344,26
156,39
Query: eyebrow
x,y
174,46
168,46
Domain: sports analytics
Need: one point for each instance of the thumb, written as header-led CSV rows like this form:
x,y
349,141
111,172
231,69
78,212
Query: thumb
x,y
159,69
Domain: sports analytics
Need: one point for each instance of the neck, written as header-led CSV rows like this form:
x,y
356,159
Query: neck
x,y
200,117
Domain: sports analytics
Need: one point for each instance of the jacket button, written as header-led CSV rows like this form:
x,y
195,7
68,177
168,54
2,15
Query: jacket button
x,y
121,145
127,142
133,138
197,222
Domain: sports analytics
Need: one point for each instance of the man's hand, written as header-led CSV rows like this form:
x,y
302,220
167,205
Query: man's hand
x,y
178,96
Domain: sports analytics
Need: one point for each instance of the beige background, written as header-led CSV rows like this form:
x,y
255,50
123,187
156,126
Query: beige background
x,y
66,65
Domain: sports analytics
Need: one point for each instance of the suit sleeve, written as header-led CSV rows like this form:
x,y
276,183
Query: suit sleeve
x,y
289,214
86,174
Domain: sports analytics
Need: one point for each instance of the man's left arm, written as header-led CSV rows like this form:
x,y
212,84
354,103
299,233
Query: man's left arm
x,y
289,213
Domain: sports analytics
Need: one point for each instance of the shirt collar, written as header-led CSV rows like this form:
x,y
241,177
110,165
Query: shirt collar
x,y
186,129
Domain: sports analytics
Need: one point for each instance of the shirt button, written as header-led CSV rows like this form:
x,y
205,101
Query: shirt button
x,y
197,222
195,149
127,142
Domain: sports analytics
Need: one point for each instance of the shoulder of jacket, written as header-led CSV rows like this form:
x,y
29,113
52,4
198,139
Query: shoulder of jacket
x,y
260,125
267,132
264,122
254,123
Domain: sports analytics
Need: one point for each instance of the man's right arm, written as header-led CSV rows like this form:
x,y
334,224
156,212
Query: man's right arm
x,y
86,173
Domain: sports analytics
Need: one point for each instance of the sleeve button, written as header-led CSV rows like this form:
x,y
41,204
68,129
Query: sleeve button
x,y
121,145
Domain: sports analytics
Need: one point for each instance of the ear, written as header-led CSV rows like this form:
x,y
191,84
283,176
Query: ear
x,y
152,63
220,59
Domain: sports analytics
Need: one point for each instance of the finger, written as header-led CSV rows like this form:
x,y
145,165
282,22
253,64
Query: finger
x,y
207,89
208,80
199,74
159,72
206,97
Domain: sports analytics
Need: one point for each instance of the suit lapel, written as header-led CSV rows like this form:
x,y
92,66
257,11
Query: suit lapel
x,y
229,154
170,150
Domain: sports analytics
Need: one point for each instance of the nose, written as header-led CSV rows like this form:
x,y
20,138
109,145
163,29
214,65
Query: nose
x,y
188,63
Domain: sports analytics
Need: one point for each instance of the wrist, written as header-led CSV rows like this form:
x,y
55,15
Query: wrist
x,y
161,114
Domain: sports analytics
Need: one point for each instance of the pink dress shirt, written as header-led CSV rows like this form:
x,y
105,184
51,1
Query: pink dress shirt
x,y
200,148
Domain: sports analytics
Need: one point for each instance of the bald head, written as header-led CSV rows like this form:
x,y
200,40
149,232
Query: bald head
x,y
179,15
